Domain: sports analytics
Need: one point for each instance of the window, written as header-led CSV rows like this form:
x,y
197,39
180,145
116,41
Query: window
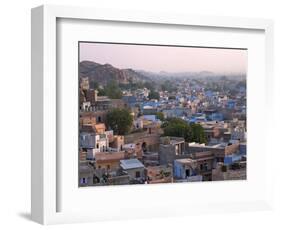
x,y
137,174
206,166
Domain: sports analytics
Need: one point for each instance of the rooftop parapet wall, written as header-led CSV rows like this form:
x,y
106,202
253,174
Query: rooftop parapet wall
x,y
219,151
149,139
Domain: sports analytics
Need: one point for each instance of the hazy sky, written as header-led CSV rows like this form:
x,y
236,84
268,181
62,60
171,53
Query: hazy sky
x,y
165,58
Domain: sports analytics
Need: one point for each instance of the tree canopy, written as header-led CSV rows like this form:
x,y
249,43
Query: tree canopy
x,y
160,116
119,120
112,90
153,95
179,128
198,134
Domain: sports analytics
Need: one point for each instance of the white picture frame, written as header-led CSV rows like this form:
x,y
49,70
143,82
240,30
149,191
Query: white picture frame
x,y
45,206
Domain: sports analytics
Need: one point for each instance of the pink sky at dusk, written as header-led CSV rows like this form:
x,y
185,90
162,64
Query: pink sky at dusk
x,y
166,58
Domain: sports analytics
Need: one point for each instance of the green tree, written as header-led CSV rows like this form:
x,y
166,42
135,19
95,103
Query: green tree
x,y
119,120
153,95
198,134
101,92
160,116
178,128
112,90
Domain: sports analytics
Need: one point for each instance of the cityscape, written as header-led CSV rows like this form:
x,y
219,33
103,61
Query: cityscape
x,y
153,114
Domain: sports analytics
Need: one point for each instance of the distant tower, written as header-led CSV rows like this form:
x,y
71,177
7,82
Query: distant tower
x,y
92,96
84,84
96,95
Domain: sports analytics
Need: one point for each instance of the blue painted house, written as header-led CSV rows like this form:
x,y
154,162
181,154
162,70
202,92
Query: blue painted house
x,y
130,101
231,104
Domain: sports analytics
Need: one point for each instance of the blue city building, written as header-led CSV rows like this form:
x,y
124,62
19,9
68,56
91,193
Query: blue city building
x,y
231,104
228,160
243,149
216,117
130,101
209,93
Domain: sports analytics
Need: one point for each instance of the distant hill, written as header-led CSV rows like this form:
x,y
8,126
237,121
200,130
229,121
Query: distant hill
x,y
161,76
106,73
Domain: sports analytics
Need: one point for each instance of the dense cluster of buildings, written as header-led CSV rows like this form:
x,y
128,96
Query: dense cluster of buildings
x,y
145,155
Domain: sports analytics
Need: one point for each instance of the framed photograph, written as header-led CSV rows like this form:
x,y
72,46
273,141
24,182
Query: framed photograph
x,y
142,114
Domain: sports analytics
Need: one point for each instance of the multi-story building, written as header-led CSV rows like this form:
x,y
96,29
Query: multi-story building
x,y
186,170
109,161
171,148
135,169
220,150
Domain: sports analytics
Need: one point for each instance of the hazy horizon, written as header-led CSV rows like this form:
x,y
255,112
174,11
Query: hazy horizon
x,y
168,59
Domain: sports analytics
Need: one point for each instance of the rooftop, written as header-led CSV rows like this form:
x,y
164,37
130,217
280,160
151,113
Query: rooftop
x,y
109,156
131,164
103,98
167,140
216,145
175,142
185,161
